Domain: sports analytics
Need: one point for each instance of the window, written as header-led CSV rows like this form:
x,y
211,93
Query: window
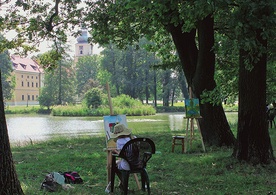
x,y
29,97
22,97
22,76
28,84
81,49
36,84
22,84
32,84
32,97
23,66
34,67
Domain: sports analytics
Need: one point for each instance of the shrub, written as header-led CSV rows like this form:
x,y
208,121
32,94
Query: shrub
x,y
93,98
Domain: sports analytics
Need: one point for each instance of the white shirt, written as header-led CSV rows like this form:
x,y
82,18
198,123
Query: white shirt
x,y
123,164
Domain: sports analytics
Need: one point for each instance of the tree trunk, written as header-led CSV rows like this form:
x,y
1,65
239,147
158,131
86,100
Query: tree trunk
x,y
173,92
155,89
166,88
253,143
199,68
9,183
183,85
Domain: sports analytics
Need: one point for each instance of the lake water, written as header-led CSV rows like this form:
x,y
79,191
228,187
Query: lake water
x,y
42,127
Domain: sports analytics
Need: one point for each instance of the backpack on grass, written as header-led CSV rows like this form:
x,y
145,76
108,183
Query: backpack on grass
x,y
72,177
53,180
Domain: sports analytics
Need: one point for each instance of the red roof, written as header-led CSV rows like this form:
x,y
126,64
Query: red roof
x,y
25,64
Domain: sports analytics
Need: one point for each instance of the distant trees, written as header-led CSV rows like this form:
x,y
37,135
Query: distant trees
x,y
59,83
134,71
87,69
8,82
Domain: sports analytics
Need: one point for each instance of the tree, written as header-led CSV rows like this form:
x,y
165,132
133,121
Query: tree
x,y
255,21
47,96
8,178
31,29
125,22
7,79
87,69
93,98
59,82
130,70
128,21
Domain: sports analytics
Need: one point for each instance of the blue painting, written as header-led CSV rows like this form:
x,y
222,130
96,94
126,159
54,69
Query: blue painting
x,y
192,108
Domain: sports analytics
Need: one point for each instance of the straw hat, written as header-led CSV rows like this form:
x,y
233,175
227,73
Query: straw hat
x,y
120,129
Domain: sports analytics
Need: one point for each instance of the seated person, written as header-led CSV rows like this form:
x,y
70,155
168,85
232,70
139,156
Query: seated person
x,y
121,136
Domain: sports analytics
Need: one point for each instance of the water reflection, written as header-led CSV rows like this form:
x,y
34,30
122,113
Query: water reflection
x,y
176,121
42,127
35,128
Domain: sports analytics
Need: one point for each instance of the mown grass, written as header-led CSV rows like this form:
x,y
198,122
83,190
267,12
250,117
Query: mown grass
x,y
213,172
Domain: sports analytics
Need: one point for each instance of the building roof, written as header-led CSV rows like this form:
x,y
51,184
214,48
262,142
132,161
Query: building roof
x,y
25,64
84,36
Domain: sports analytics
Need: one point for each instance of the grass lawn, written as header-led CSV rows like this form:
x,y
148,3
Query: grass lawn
x,y
214,172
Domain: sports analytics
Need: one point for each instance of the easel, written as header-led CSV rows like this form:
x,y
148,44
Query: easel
x,y
111,146
190,126
190,138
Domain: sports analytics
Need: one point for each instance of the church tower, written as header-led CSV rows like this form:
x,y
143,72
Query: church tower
x,y
82,47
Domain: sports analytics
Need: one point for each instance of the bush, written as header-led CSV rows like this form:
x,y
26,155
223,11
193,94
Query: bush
x,y
93,98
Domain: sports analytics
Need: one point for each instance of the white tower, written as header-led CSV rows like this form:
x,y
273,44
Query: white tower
x,y
82,47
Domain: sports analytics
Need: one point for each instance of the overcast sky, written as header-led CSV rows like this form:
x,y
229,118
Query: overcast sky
x,y
46,45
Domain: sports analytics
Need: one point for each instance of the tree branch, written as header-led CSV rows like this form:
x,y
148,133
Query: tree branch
x,y
49,25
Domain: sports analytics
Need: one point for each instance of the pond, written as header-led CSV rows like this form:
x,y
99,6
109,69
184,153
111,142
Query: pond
x,y
25,128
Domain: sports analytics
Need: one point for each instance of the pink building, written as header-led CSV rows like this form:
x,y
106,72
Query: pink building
x,y
29,78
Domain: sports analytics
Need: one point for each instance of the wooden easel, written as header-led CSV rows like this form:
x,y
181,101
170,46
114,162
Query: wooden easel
x,y
190,138
111,146
190,126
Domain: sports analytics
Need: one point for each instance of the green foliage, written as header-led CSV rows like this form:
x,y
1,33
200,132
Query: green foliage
x,y
50,59
124,104
87,69
69,111
125,101
250,20
121,105
58,83
130,71
8,81
34,21
45,98
93,98
24,110
212,97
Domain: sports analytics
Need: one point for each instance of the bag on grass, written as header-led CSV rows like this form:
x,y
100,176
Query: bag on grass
x,y
49,183
72,177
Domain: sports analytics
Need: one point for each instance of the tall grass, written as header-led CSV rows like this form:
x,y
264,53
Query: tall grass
x,y
24,110
196,172
122,104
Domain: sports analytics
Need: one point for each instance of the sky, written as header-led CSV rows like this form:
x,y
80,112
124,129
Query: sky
x,y
46,45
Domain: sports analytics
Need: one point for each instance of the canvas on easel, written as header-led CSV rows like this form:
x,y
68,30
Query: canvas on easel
x,y
109,123
192,113
192,108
